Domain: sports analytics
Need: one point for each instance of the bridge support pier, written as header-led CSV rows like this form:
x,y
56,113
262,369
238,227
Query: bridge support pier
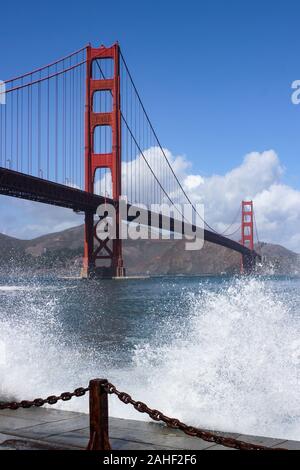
x,y
108,251
248,264
88,262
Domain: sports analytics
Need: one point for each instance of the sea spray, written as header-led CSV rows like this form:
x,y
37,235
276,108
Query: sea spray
x,y
40,359
234,366
222,354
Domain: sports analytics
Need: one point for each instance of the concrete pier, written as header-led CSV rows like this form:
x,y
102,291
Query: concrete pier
x,y
49,428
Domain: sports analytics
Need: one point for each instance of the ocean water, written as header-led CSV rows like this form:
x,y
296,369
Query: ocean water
x,y
220,353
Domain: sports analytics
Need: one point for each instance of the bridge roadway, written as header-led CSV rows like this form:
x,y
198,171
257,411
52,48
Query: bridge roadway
x,y
23,186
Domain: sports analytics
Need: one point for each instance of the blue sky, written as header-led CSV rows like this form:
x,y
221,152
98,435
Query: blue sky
x,y
215,76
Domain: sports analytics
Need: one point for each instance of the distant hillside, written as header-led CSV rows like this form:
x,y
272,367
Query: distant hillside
x,y
62,253
279,259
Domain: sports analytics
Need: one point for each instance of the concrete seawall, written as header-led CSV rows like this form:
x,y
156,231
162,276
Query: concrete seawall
x,y
49,428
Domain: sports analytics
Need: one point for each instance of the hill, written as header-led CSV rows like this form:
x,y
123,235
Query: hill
x,y
62,253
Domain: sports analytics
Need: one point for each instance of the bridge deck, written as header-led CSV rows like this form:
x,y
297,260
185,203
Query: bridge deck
x,y
48,428
36,189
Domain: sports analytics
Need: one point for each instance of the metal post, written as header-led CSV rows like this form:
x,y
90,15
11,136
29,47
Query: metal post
x,y
99,438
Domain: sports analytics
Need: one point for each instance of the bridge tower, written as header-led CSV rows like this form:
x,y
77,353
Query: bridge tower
x,y
247,238
102,258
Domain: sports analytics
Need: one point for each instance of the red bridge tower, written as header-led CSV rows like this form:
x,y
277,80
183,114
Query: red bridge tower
x,y
247,224
104,259
247,233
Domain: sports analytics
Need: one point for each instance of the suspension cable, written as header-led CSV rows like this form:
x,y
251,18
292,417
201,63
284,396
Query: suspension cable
x,y
168,162
140,150
51,64
160,146
256,231
232,223
48,77
233,233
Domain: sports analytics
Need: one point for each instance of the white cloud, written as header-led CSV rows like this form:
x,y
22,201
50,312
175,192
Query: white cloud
x,y
278,215
258,178
193,182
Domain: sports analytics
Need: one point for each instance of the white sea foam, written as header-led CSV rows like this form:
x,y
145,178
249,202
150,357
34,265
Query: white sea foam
x,y
232,363
11,288
16,288
235,367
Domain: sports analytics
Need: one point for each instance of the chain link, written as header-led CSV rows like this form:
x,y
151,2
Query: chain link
x,y
51,400
141,407
174,423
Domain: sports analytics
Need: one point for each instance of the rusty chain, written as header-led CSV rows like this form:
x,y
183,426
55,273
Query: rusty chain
x,y
141,407
51,400
176,424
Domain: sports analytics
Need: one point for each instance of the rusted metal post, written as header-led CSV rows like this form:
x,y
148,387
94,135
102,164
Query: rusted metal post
x,y
99,439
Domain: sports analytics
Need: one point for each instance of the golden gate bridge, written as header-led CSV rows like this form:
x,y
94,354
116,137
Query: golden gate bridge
x,y
75,134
